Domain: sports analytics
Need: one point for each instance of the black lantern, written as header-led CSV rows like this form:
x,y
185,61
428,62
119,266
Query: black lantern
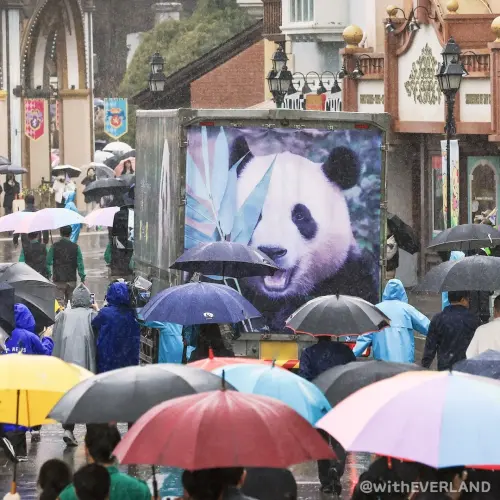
x,y
272,81
336,87
451,52
157,63
157,82
450,77
284,79
279,59
358,72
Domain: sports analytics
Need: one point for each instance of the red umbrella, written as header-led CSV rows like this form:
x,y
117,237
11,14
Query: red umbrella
x,y
222,429
212,362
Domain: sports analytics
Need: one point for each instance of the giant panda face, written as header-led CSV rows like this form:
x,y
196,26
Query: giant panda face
x,y
305,226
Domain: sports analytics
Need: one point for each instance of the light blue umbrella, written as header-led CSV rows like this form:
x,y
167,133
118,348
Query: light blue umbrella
x,y
303,396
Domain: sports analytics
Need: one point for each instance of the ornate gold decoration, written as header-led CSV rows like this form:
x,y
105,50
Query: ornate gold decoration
x,y
495,28
352,35
391,10
371,99
477,98
452,6
422,83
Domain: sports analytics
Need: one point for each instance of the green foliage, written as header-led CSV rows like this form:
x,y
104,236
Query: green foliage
x,y
181,42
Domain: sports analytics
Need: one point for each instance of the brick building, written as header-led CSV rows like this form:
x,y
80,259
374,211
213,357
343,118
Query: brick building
x,y
229,76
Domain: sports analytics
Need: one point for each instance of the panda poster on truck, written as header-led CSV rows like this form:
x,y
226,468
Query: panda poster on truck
x,y
308,198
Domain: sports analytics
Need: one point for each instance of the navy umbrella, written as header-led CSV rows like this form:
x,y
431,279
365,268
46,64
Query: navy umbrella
x,y
487,364
466,237
198,303
226,259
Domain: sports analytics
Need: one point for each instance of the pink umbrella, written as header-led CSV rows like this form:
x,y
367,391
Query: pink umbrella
x,y
47,219
11,222
120,166
102,217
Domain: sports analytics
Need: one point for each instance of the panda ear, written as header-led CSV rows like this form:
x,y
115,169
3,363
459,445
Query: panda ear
x,y
239,150
342,167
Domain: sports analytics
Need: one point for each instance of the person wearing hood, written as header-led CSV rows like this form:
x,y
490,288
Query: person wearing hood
x,y
24,339
58,188
75,340
118,341
70,197
395,343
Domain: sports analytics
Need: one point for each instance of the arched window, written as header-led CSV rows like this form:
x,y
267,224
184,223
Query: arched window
x,y
483,189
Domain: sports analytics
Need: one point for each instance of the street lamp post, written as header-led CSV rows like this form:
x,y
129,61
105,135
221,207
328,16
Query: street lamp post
x,y
449,78
279,78
157,78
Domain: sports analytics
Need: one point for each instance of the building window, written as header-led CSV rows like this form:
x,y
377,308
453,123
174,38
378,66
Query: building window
x,y
301,11
437,195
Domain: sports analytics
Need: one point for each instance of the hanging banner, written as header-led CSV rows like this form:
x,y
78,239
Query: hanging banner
x,y
34,116
454,184
115,117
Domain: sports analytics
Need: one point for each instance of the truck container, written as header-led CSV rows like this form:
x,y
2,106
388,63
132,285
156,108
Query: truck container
x,y
308,188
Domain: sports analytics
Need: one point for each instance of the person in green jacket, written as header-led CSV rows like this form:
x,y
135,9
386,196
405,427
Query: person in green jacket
x,y
100,441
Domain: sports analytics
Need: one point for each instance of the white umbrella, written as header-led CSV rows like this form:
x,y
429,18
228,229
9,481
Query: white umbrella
x,y
102,156
102,171
11,222
117,148
67,169
47,219
102,217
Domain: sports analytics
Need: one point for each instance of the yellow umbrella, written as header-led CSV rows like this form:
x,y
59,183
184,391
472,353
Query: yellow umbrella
x,y
30,386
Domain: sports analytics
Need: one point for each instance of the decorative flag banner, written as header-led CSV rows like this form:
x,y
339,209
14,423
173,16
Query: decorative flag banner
x,y
34,115
454,184
115,117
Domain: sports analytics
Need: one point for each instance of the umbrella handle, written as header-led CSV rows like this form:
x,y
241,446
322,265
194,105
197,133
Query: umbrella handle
x,y
155,483
13,486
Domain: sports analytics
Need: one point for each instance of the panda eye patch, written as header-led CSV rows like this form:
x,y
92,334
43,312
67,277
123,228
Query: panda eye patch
x,y
303,219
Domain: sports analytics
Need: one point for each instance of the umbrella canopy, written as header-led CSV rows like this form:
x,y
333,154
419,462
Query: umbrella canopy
x,y
102,156
466,237
198,303
4,161
102,217
69,170
222,429
128,178
487,364
478,273
404,234
105,187
31,289
120,167
12,169
117,148
48,219
226,259
341,381
213,362
416,416
303,396
135,390
116,159
269,484
12,221
41,381
102,171
7,300
337,315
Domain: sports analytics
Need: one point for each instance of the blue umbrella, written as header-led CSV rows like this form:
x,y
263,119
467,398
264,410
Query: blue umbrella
x,y
303,396
487,364
198,303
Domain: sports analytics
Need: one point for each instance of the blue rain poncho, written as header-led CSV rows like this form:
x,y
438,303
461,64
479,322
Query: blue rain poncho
x,y
70,205
395,343
455,255
171,344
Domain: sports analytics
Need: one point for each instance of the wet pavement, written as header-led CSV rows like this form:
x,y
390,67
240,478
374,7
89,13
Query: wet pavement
x,y
93,245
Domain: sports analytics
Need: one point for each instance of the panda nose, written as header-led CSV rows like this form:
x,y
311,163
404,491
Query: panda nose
x,y
274,253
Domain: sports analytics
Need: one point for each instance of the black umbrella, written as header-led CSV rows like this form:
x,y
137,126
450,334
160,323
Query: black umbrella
x,y
128,178
269,484
125,394
114,161
337,315
4,161
404,234
487,364
341,381
226,259
478,273
68,170
103,172
31,289
12,169
466,237
105,187
7,300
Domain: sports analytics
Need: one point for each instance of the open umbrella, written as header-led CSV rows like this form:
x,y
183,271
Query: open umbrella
x,y
102,171
487,364
135,390
4,161
102,156
105,187
31,289
339,382
7,300
214,362
30,385
301,395
69,170
116,159
120,167
12,221
12,169
198,303
416,416
222,429
102,217
466,237
226,259
404,234
117,148
48,219
478,273
337,315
